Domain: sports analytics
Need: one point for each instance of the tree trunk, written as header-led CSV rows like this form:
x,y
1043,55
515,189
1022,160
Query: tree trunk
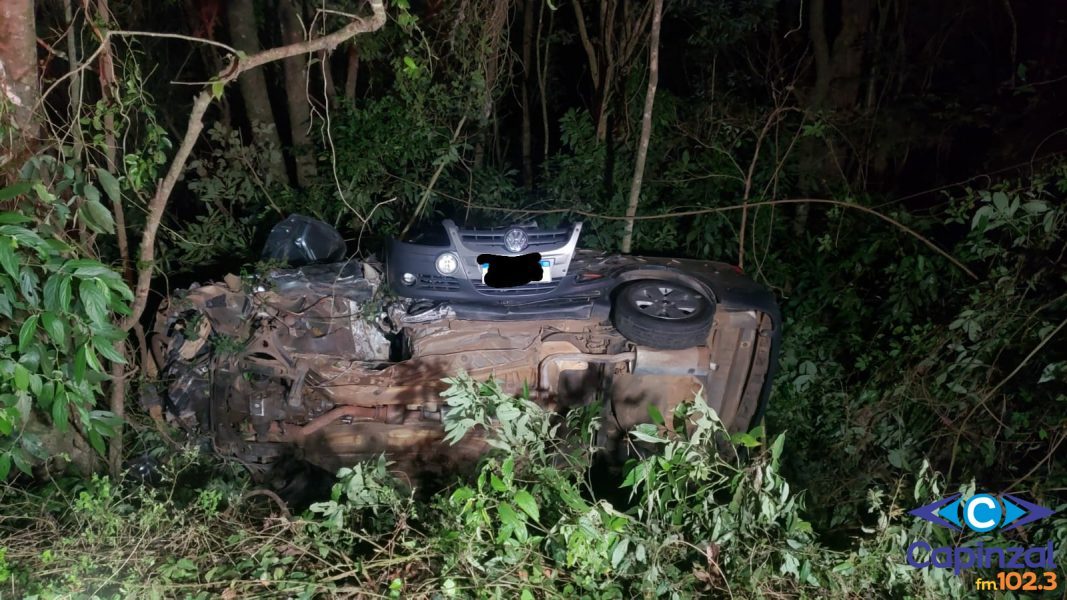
x,y
117,403
527,70
494,30
18,74
609,51
542,81
848,53
838,78
352,72
75,89
646,126
245,37
821,48
296,94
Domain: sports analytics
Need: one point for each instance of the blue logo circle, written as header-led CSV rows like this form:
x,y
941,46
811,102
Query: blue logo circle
x,y
982,513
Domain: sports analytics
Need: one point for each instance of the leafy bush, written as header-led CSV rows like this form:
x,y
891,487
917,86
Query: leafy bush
x,y
56,326
528,524
892,358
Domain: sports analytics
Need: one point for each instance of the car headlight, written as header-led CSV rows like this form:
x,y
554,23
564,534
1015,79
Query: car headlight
x,y
447,263
408,278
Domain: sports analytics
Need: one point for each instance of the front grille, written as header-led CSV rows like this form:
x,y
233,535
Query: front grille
x,y
484,237
548,238
537,239
519,290
438,283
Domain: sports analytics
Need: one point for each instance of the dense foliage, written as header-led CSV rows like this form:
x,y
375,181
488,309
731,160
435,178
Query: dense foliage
x,y
924,305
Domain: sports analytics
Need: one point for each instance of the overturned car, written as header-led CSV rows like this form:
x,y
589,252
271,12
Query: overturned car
x,y
335,363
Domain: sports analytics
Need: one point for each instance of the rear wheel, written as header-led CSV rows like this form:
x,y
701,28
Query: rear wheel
x,y
662,314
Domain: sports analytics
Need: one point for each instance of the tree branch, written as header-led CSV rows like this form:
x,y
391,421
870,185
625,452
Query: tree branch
x,y
590,52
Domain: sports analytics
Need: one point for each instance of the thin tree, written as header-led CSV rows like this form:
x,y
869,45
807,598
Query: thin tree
x,y
646,126
296,93
527,78
244,35
352,71
18,74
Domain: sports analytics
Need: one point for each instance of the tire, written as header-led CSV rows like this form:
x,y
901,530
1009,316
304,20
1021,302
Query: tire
x,y
662,314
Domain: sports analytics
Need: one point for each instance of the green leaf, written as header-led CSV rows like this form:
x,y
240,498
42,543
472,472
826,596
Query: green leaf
x,y
60,411
22,378
116,283
65,293
28,285
107,331
5,304
29,327
655,415
8,259
11,218
97,217
497,483
13,190
646,432
619,552
42,192
527,503
91,193
105,348
77,263
5,465
51,293
110,185
79,362
981,218
776,448
461,496
21,463
508,516
91,292
745,439
1035,207
91,360
90,271
1000,200
97,442
47,395
104,422
54,327
635,474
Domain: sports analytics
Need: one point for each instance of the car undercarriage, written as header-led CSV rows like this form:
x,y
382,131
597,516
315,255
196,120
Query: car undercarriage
x,y
324,364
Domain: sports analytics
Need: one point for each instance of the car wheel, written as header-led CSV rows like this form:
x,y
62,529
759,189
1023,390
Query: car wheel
x,y
662,314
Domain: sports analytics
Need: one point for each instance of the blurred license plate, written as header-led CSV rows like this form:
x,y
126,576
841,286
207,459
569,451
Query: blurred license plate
x,y
546,271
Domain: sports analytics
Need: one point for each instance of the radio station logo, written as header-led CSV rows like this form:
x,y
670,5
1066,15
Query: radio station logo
x,y
981,513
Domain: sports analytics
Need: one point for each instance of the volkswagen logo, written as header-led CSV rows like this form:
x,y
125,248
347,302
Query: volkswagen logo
x,y
516,240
